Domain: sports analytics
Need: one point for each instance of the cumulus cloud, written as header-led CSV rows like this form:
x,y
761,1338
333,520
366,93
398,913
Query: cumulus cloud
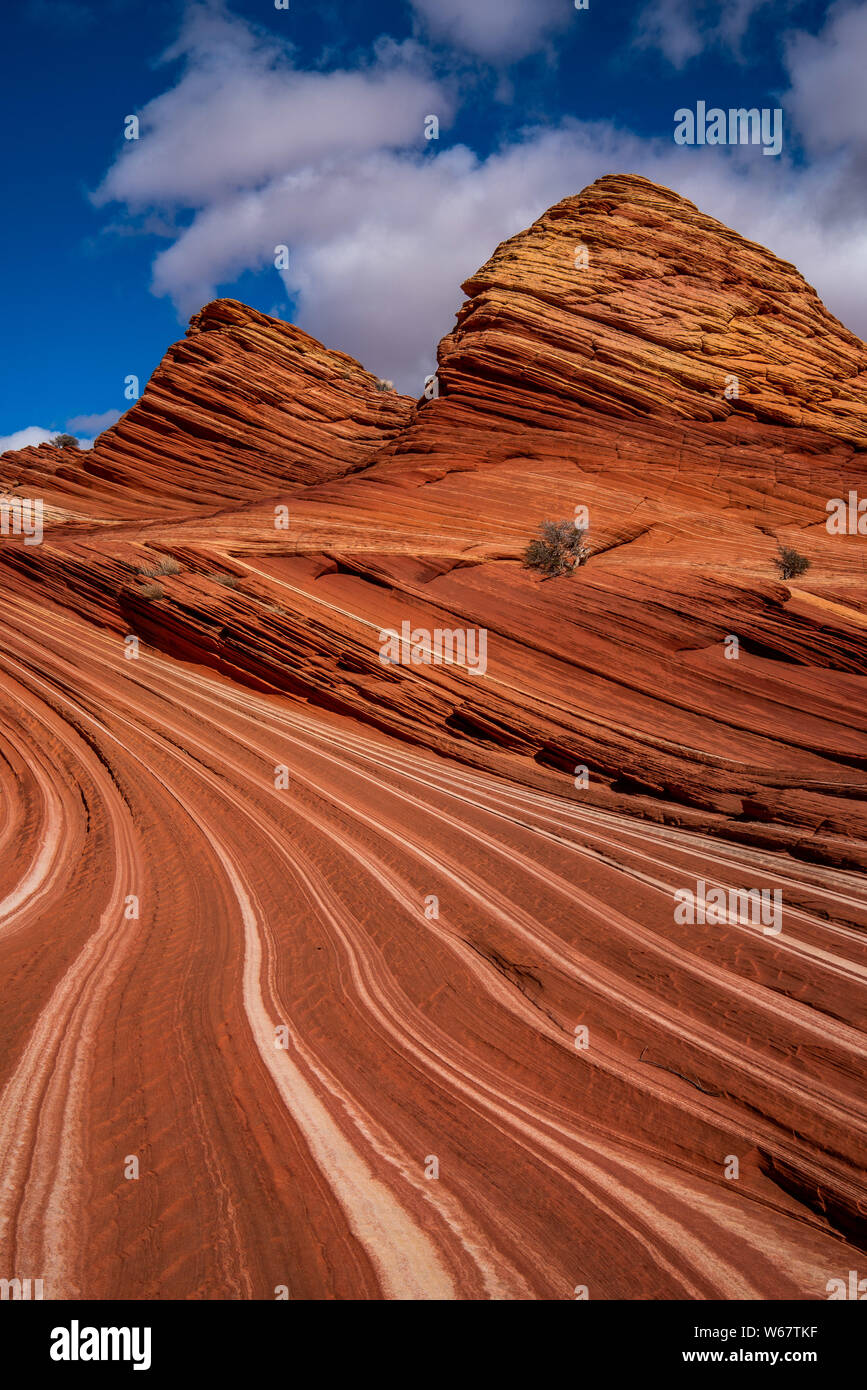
x,y
242,115
382,232
93,424
497,31
22,439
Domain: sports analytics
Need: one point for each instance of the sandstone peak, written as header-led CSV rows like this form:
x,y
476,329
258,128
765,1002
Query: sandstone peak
x,y
257,330
243,404
629,300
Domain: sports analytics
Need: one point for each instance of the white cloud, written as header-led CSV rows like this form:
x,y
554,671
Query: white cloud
x,y
827,97
93,424
32,435
23,439
496,30
381,235
242,115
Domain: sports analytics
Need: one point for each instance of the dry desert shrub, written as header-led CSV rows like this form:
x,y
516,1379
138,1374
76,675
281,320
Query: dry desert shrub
x,y
168,565
790,562
558,549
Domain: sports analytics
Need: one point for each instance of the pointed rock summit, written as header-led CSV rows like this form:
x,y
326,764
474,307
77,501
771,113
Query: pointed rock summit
x,y
242,406
627,300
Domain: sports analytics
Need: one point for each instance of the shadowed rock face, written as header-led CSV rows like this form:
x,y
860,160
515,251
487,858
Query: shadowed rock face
x,y
394,862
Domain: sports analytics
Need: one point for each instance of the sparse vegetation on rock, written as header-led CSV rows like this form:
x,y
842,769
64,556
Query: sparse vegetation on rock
x,y
168,565
152,591
790,562
559,549
65,441
229,581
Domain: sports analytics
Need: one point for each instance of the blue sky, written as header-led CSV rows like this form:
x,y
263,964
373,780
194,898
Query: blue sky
x,y
305,127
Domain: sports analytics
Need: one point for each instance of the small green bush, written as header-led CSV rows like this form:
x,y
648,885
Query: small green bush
x,y
65,441
790,562
558,549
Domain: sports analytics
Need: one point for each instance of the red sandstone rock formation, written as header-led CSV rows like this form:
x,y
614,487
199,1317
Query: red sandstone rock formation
x,y
557,391
241,407
393,864
669,305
